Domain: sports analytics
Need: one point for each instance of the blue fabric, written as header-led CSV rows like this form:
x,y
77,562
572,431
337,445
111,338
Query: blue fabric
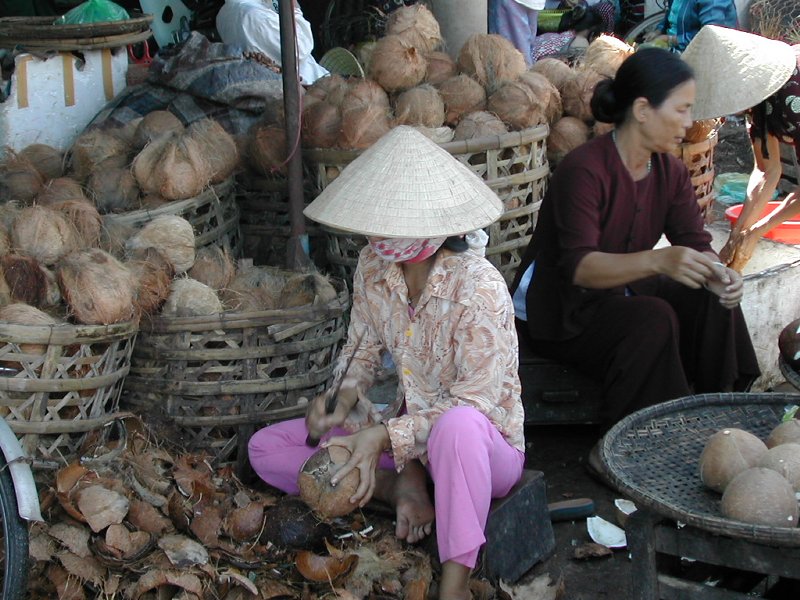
x,y
520,310
686,17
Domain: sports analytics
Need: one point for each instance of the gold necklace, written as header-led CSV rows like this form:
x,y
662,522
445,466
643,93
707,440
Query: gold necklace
x,y
616,145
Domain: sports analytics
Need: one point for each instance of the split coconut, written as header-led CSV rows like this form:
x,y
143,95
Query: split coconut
x,y
315,486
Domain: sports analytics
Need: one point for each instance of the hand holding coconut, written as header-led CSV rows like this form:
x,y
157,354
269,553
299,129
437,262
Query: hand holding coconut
x,y
365,449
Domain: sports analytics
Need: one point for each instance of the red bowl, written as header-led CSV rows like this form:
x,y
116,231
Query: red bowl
x,y
787,232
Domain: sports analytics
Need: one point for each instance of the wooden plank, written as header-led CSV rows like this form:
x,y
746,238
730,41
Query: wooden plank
x,y
673,588
641,543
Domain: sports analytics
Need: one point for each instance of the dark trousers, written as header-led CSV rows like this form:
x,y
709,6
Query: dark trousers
x,y
647,348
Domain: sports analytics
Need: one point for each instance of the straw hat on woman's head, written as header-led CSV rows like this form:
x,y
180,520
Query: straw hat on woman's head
x,y
406,186
735,70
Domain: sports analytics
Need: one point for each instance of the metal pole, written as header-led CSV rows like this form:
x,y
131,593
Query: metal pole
x,y
297,245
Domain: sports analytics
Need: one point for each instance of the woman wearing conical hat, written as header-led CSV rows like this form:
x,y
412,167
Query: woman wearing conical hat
x,y
739,71
445,315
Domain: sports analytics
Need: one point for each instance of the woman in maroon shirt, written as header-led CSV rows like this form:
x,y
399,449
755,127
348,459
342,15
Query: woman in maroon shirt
x,y
651,324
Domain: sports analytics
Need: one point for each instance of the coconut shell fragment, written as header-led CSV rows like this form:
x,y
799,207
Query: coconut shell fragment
x,y
315,486
291,524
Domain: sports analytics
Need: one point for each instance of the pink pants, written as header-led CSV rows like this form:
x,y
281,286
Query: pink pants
x,y
468,459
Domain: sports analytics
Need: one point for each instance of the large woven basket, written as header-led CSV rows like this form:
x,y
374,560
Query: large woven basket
x,y
653,457
699,159
60,382
514,165
214,216
215,379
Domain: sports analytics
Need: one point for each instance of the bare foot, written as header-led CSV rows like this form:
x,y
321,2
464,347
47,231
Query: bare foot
x,y
408,493
454,584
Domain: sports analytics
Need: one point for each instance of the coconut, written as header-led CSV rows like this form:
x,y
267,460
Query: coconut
x,y
322,124
190,298
113,189
266,149
218,147
365,92
19,179
114,234
25,279
332,88
416,25
726,454
440,135
24,314
8,214
249,299
84,218
43,233
421,105
127,132
98,289
479,124
787,432
5,242
605,55
52,293
785,459
94,146
700,130
762,497
567,134
600,128
577,94
491,59
441,67
397,65
61,188
556,71
517,106
546,92
306,288
153,125
213,266
172,166
45,159
153,273
362,127
461,95
152,201
172,235
314,482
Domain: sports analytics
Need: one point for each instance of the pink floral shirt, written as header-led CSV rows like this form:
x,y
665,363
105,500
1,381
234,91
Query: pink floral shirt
x,y
458,347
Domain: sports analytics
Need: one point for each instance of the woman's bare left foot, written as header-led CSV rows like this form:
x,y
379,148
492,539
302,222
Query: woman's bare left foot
x,y
414,508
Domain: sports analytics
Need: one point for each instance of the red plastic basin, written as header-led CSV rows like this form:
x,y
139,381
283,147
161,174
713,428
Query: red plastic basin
x,y
787,232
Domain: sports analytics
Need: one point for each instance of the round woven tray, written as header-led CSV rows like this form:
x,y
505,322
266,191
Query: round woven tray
x,y
791,375
81,43
34,29
652,456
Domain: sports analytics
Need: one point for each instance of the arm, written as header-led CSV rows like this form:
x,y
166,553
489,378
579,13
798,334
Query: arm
x,y
763,182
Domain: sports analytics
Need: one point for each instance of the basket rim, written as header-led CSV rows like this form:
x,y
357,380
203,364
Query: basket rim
x,y
81,43
66,333
45,28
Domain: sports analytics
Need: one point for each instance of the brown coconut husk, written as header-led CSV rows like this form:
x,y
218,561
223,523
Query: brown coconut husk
x,y
172,166
47,160
44,233
306,288
61,188
94,146
415,25
170,234
84,218
577,94
556,71
23,314
247,299
213,266
605,55
20,181
321,125
700,130
479,124
190,298
266,149
332,88
5,241
113,189
114,235
362,127
98,289
153,125
491,59
153,273
8,214
151,201
546,92
24,278
52,293
441,67
421,105
127,132
440,135
600,128
218,147
314,483
461,95
5,291
365,92
567,134
518,107
396,65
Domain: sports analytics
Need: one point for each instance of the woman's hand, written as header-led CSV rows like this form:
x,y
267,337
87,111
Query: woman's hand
x,y
685,265
727,284
319,422
365,449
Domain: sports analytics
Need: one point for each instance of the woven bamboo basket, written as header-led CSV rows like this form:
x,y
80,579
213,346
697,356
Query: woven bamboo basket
x,y
699,159
60,382
215,379
514,165
214,216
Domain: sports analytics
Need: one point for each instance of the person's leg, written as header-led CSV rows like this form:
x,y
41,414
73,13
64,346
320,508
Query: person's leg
x,y
407,492
513,23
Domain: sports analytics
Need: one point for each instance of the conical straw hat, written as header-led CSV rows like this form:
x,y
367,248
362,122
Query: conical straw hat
x,y
406,186
735,70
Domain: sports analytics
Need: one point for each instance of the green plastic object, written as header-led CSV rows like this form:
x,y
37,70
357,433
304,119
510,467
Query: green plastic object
x,y
93,11
731,188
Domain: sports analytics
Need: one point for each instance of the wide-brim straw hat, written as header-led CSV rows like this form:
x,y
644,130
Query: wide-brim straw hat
x,y
735,70
406,186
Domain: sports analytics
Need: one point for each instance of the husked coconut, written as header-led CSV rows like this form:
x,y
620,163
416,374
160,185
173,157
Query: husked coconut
x,y
567,134
546,93
421,105
5,242
307,288
331,88
605,54
314,482
321,125
52,293
114,234
726,454
479,124
24,278
491,59
153,125
170,234
213,266
217,146
440,67
61,188
127,132
172,166
43,233
19,179
47,160
518,107
365,92
266,149
762,497
577,94
787,432
363,126
94,146
556,71
98,289
461,95
416,25
785,459
397,65
24,314
249,299
113,189
190,298
153,273
440,135
84,218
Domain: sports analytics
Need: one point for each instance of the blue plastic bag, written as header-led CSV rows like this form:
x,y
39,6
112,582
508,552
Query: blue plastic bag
x,y
731,188
93,11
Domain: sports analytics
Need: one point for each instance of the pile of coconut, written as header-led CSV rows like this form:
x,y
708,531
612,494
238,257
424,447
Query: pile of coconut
x,y
759,480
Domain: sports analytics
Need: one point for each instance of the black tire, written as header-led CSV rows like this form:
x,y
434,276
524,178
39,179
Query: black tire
x,y
14,563
651,23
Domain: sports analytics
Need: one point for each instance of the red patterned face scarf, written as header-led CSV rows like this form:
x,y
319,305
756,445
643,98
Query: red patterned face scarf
x,y
405,249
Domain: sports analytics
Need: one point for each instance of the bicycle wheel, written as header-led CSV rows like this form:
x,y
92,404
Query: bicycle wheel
x,y
636,34
14,561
